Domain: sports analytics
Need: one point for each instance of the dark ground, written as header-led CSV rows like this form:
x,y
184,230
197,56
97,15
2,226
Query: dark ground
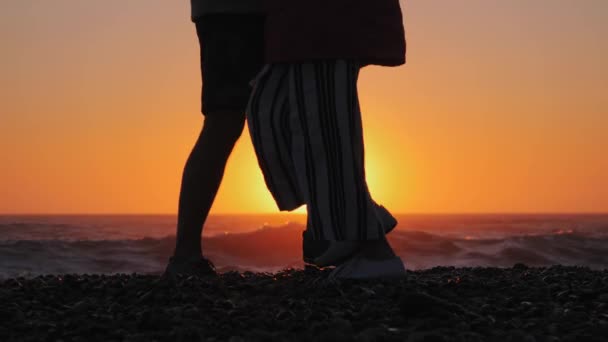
x,y
442,304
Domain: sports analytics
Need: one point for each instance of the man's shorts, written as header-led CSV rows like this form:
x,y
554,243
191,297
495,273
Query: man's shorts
x,y
232,54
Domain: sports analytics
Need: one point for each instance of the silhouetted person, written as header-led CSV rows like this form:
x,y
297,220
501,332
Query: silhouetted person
x,y
230,34
305,123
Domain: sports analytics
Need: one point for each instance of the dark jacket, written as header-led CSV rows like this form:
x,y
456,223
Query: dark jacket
x,y
370,31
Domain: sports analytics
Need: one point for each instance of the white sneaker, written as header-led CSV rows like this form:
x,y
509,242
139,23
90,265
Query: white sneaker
x,y
337,252
360,267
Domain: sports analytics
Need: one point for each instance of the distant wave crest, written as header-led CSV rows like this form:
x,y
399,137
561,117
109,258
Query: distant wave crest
x,y
272,249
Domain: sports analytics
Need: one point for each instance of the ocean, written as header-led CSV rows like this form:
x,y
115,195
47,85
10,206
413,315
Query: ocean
x,y
107,244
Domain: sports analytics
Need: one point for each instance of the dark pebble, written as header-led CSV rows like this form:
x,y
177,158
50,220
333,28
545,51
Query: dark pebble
x,y
520,267
523,304
427,337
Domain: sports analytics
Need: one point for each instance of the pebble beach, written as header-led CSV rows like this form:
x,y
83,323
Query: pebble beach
x,y
520,303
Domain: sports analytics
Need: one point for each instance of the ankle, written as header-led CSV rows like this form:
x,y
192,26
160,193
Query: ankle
x,y
187,256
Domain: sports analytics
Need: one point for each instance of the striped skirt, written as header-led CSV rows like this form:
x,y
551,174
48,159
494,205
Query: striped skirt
x,y
305,124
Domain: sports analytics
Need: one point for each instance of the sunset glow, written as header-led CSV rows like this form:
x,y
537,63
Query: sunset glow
x,y
502,107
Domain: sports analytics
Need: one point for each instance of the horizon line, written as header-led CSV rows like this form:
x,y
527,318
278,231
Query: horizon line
x,y
302,214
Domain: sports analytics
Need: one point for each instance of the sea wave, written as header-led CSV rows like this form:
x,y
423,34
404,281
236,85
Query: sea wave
x,y
274,248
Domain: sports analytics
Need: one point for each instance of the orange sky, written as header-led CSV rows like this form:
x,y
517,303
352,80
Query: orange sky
x,y
501,108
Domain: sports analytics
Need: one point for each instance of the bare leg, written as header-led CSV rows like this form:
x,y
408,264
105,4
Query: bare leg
x,y
202,176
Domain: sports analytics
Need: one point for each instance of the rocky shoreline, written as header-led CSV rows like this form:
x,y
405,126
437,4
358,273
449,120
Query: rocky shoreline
x,y
441,304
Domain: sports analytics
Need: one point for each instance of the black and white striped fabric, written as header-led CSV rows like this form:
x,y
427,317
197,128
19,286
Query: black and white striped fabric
x,y
305,123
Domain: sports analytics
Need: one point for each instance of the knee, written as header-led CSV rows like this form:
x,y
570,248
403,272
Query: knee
x,y
228,126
